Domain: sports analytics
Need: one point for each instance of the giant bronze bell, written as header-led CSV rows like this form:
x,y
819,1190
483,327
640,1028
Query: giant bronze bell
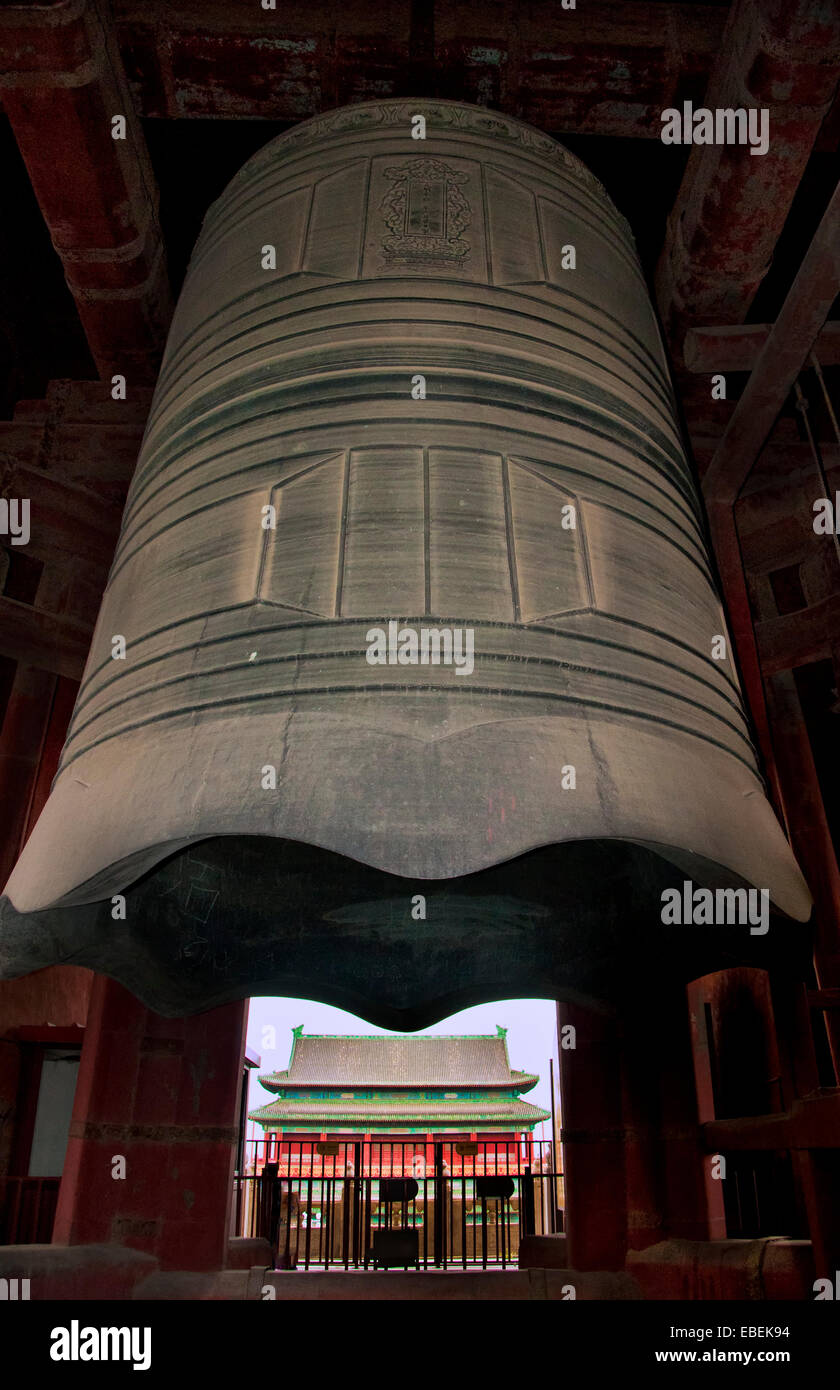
x,y
410,384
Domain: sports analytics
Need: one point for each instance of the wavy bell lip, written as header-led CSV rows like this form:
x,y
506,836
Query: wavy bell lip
x,y
409,808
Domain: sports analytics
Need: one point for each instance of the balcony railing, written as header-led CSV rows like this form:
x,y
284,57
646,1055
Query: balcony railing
x,y
377,1204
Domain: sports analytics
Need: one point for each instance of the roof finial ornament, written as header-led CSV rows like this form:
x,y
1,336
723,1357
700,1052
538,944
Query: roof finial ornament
x,y
297,1032
502,1032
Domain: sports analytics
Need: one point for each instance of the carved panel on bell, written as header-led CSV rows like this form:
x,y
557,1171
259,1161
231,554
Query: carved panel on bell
x,y
302,552
336,222
425,216
549,543
384,567
515,247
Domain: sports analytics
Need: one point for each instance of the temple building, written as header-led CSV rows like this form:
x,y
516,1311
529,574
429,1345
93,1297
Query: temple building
x,y
402,1147
405,1090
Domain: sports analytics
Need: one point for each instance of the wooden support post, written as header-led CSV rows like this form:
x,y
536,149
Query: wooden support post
x,y
593,1140
153,1137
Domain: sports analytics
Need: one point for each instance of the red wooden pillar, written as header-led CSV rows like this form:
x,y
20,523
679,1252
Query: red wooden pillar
x,y
665,1165
643,1136
810,835
680,1153
702,1049
163,1094
593,1141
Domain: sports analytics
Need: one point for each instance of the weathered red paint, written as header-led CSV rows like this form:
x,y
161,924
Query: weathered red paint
x,y
48,1002
813,1123
794,639
730,567
768,1268
62,82
61,709
732,205
165,1094
21,743
781,359
810,833
606,67
592,1139
736,347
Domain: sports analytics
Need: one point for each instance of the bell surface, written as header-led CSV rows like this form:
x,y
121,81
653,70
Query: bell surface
x,y
413,568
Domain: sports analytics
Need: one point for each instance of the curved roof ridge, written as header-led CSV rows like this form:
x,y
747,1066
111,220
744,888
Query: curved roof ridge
x,y
459,1060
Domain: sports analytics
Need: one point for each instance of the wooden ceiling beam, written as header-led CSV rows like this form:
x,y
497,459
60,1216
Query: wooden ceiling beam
x,y
781,359
46,641
64,518
62,86
605,68
778,55
736,347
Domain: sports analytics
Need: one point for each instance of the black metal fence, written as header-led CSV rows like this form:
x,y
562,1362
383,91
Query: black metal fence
x,y
352,1204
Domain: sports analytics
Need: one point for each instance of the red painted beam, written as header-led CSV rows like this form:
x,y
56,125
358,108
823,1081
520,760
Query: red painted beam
x,y
46,641
812,1123
783,55
824,998
736,597
781,359
71,520
810,834
606,67
62,82
79,435
46,1033
795,639
775,522
783,461
736,347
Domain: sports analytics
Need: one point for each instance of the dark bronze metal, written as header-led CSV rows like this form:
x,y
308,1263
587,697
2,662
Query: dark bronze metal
x,y
410,385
